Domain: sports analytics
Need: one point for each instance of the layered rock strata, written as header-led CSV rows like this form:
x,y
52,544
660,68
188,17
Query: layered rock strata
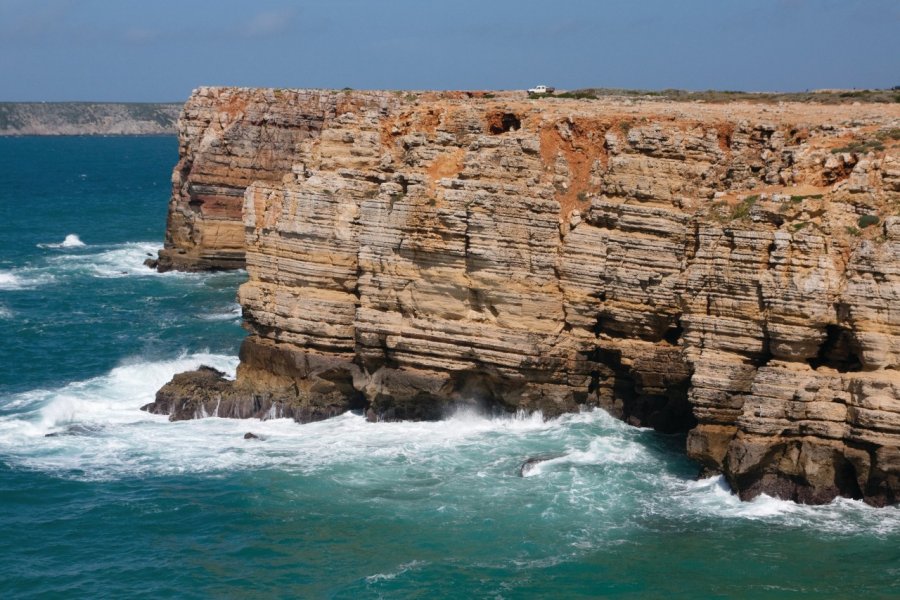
x,y
726,270
229,138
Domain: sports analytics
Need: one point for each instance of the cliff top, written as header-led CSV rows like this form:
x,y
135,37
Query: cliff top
x,y
837,108
824,129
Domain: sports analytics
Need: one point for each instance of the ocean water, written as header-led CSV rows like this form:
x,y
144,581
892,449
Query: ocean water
x,y
101,500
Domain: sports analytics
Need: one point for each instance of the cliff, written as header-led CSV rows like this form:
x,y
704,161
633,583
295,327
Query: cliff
x,y
728,270
87,118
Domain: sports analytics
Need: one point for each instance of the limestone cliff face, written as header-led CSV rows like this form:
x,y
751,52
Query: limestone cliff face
x,y
704,268
229,138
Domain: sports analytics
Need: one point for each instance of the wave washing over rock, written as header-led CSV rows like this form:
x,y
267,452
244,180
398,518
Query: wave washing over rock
x,y
91,430
724,269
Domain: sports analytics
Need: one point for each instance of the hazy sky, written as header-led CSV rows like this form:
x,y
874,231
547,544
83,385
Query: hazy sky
x,y
157,50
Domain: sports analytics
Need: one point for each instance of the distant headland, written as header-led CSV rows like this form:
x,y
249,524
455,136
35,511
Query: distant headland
x,y
88,118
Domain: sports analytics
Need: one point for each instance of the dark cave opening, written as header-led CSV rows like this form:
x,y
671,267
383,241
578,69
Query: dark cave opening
x,y
839,351
650,392
502,122
673,334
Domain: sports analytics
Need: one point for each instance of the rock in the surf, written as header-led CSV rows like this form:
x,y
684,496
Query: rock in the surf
x,y
206,392
530,463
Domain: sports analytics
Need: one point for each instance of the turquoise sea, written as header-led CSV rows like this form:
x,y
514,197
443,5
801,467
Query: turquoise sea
x,y
101,500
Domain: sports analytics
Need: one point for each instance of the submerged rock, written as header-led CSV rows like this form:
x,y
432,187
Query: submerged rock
x,y
530,463
77,430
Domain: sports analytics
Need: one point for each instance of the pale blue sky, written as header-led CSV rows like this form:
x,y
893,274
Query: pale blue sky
x,y
156,50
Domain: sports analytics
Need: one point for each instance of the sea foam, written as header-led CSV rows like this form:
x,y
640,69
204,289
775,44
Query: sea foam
x,y
101,261
95,430
118,260
23,279
231,313
9,281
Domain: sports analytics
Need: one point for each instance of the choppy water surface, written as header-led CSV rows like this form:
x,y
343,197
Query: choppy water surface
x,y
100,499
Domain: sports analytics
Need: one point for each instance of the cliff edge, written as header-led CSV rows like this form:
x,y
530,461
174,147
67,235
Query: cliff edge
x,y
729,270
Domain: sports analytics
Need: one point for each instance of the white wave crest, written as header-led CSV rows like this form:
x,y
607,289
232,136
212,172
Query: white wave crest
x,y
71,241
105,261
23,279
401,569
119,260
604,450
713,498
230,314
9,281
135,442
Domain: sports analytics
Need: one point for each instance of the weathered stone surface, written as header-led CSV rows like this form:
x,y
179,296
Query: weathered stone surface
x,y
230,138
207,393
685,266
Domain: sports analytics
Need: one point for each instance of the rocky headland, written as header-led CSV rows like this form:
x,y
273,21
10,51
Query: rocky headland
x,y
87,118
729,270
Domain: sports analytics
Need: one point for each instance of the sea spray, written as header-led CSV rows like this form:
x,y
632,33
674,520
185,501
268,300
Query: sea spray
x,y
95,430
71,241
9,281
23,279
119,260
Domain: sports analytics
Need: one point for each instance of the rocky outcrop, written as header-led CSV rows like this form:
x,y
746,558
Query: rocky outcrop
x,y
87,118
730,271
206,392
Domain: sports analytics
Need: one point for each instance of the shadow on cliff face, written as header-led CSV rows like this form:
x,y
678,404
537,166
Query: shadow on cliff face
x,y
650,391
410,395
643,385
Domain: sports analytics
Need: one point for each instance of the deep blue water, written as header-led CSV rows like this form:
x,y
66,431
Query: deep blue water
x,y
118,503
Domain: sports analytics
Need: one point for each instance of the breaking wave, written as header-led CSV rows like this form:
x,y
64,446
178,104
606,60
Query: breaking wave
x,y
9,281
71,241
95,430
232,313
100,261
120,260
23,279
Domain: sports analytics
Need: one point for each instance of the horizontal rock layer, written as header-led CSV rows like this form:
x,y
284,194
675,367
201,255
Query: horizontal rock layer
x,y
711,269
